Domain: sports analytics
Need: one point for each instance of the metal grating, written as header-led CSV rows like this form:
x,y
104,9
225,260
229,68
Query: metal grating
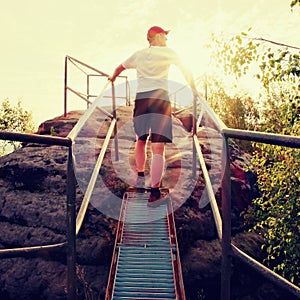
x,y
145,262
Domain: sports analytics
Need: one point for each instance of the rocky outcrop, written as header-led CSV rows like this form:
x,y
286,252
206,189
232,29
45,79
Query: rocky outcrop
x,y
33,212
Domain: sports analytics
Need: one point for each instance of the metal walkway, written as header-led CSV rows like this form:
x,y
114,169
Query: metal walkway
x,y
145,262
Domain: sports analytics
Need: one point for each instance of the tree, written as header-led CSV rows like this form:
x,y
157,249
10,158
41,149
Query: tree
x,y
275,214
237,111
277,68
14,119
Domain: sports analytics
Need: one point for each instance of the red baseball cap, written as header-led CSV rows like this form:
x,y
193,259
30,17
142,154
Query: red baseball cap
x,y
154,30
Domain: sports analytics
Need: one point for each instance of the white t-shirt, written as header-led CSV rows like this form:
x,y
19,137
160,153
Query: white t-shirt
x,y
152,67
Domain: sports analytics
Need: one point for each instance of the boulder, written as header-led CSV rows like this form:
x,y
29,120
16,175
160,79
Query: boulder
x,y
33,213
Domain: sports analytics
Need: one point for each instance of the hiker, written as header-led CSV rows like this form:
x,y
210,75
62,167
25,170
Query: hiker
x,y
152,107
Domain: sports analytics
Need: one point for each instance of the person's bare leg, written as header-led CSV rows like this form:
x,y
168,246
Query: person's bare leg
x,y
140,155
157,164
157,198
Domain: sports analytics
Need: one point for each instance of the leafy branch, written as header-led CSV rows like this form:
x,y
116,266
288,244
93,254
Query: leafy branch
x,y
275,43
294,3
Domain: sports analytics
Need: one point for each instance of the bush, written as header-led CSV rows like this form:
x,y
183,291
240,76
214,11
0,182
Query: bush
x,y
14,119
275,215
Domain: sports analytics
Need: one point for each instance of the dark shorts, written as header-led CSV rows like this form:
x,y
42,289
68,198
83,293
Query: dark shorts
x,y
152,116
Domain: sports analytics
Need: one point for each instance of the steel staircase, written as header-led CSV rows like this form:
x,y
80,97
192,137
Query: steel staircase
x,y
145,262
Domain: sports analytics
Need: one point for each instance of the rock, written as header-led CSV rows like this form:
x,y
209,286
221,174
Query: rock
x,y
60,126
33,213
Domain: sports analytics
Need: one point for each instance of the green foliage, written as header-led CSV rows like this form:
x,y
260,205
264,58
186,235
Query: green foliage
x,y
52,131
281,113
275,215
234,55
237,54
14,119
283,65
294,3
238,112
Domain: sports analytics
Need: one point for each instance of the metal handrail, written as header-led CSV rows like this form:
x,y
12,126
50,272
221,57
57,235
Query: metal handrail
x,y
86,96
74,224
267,138
77,62
215,118
263,137
70,242
224,227
35,138
92,182
211,194
279,280
15,252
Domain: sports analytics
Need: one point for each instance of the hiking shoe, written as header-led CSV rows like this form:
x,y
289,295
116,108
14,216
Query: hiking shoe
x,y
157,200
140,182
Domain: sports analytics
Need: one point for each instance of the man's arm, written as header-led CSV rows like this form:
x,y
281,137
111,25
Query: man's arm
x,y
116,73
187,74
189,79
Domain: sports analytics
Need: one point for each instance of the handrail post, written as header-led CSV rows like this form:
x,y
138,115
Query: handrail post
x,y
65,86
71,222
127,93
114,107
87,90
194,125
205,88
226,226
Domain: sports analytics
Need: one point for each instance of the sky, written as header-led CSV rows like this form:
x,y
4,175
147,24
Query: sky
x,y
37,35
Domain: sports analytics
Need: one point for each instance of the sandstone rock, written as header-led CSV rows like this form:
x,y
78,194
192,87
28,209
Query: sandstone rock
x,y
33,212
